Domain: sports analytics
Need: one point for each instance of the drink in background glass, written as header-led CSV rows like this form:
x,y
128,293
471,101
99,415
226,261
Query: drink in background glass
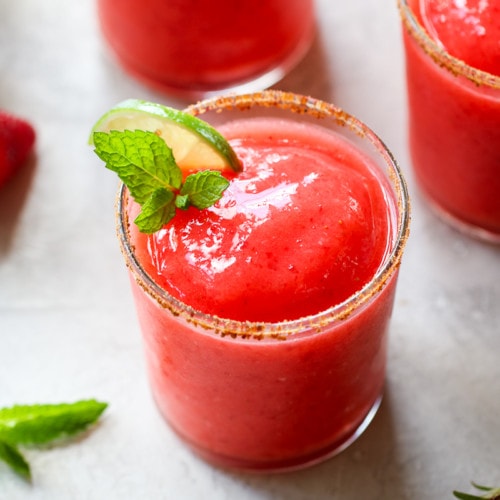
x,y
197,48
265,317
453,68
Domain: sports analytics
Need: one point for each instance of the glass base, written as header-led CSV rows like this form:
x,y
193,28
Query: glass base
x,y
288,465
471,230
255,83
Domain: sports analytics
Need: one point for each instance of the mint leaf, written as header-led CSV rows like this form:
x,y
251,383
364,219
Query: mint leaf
x,y
182,201
142,160
204,188
158,209
491,493
41,424
146,165
466,496
14,459
485,488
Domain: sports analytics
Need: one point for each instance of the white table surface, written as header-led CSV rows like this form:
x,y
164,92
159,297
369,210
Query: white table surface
x,y
67,325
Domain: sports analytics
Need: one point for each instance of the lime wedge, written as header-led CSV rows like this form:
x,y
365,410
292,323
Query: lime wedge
x,y
195,144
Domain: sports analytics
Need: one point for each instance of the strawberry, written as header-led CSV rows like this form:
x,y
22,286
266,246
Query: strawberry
x,y
17,137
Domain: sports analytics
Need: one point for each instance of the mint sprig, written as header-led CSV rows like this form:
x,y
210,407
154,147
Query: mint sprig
x,y
146,165
492,493
37,425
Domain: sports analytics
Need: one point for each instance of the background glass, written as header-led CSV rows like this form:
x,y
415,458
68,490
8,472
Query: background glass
x,y
454,131
201,47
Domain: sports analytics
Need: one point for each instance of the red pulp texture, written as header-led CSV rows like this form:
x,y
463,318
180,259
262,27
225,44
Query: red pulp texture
x,y
300,230
268,404
468,29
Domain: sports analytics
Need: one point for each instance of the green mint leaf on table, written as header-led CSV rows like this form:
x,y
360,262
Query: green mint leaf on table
x,y
36,425
14,459
146,165
41,424
490,493
466,496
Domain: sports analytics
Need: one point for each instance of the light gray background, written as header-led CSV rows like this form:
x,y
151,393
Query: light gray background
x,y
67,325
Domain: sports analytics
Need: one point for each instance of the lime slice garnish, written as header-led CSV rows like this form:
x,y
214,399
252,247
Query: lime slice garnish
x,y
194,143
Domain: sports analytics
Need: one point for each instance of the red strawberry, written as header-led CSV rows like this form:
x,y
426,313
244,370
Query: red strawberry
x,y
17,137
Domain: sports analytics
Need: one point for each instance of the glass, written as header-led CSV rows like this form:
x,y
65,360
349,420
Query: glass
x,y
273,396
197,48
454,132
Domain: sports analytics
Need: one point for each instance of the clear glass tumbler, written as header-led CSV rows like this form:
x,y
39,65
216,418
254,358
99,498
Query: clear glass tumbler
x,y
197,48
454,131
267,396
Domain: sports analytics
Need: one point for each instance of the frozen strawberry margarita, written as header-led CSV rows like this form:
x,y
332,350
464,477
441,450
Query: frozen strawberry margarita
x,y
453,79
265,316
199,47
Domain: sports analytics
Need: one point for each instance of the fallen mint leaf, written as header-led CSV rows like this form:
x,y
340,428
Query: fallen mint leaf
x,y
14,459
491,493
35,425
41,424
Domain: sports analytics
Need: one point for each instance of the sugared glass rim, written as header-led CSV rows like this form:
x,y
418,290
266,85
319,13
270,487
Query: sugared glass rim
x,y
279,330
440,56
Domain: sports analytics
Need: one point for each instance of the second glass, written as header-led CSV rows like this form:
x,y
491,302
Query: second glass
x,y
454,130
200,48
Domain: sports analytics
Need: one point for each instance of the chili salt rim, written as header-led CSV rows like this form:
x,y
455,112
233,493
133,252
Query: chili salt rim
x,y
283,329
439,54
